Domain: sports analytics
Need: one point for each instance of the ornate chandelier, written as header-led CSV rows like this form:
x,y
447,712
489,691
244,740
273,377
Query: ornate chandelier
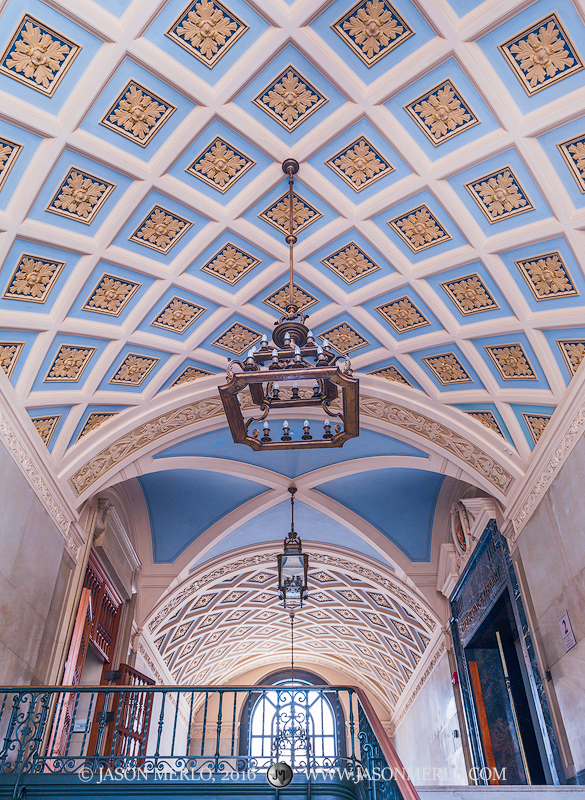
x,y
318,377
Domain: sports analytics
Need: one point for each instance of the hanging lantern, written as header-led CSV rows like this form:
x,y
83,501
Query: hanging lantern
x,y
292,372
293,566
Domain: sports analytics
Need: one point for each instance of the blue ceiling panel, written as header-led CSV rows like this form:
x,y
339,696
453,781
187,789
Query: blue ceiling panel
x,y
492,410
189,362
91,348
535,377
455,386
183,504
432,324
29,144
533,421
400,503
568,348
550,142
93,409
49,412
148,323
457,274
392,362
341,243
218,245
292,463
153,361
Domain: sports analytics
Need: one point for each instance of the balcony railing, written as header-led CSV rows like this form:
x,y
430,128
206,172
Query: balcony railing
x,y
324,732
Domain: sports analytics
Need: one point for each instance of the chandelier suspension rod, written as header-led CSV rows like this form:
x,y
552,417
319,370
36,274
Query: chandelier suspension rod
x,y
292,649
291,238
292,491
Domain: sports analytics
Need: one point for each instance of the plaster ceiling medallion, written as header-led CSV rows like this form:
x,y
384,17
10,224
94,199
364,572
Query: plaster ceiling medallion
x,y
46,427
573,151
190,374
419,229
220,165
403,315
447,369
573,351
111,295
499,195
343,338
133,370
9,152
442,112
290,99
38,55
178,315
391,373
547,276
542,54
33,278
94,420
230,264
207,29
9,354
360,164
511,362
372,28
280,299
350,263
536,424
278,214
470,294
69,363
80,196
237,339
161,230
137,113
487,419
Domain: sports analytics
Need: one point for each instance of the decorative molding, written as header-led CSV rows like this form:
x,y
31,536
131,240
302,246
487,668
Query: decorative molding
x,y
372,28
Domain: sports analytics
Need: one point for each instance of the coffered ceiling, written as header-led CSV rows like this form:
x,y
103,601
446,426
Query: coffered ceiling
x,y
439,203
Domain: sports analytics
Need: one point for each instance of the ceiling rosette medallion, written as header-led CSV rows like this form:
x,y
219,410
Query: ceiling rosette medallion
x,y
220,165
160,230
230,264
69,363
542,54
442,113
46,427
511,362
403,315
447,369
188,375
94,420
237,339
350,263
470,294
344,338
178,315
80,196
277,214
32,279
573,151
487,419
111,295
9,354
391,373
290,99
372,28
536,424
38,56
547,276
9,152
207,29
499,195
573,351
360,164
137,113
134,370
280,299
419,229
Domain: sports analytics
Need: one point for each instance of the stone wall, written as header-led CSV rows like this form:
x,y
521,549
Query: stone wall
x,y
552,556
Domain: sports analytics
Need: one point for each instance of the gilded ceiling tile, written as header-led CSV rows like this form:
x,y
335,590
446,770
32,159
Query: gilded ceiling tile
x,y
349,594
547,276
137,113
372,28
573,151
487,419
370,635
346,613
264,597
9,353
403,315
365,650
111,295
541,54
178,315
361,664
322,577
442,113
220,165
232,597
9,152
573,351
511,362
470,294
360,164
391,373
344,338
260,577
419,229
536,423
209,620
280,299
46,426
447,369
375,619
80,196
94,420
380,600
278,214
230,264
499,195
38,56
69,363
32,279
237,339
160,230
187,375
350,263
389,660
290,99
207,29
237,615
133,370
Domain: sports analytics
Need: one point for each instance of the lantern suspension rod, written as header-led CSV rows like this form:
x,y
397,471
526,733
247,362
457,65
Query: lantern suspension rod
x,y
291,167
292,649
292,491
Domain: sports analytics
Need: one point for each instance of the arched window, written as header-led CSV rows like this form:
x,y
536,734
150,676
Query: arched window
x,y
296,725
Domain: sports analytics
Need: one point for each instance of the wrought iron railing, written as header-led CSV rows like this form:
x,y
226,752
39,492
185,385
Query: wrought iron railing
x,y
325,733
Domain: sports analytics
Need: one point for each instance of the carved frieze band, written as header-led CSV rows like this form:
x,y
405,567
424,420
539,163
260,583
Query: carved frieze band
x,y
35,479
438,654
419,424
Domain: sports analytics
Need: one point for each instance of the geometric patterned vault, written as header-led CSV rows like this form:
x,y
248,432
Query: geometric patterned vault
x,y
440,202
228,620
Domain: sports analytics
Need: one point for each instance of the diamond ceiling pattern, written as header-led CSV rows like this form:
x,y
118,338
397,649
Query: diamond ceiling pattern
x,y
440,204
